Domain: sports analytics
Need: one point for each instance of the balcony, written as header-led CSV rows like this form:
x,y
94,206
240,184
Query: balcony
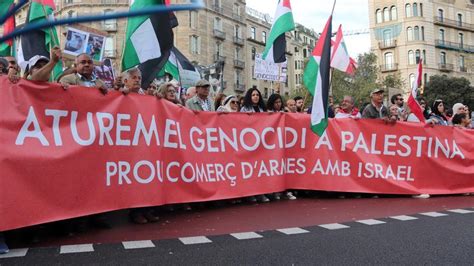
x,y
239,87
238,40
219,58
445,67
239,64
461,25
237,17
218,9
387,44
454,46
463,69
389,67
219,34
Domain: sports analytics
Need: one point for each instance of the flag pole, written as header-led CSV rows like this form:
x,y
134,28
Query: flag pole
x,y
333,6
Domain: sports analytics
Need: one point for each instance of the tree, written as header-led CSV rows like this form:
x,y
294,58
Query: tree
x,y
361,84
449,89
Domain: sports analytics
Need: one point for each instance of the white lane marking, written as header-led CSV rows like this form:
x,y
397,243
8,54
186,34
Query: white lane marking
x,y
138,244
292,231
403,218
433,214
246,235
195,240
333,226
370,222
66,249
14,253
461,211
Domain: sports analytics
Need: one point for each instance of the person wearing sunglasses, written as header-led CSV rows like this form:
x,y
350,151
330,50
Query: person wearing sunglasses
x,y
229,105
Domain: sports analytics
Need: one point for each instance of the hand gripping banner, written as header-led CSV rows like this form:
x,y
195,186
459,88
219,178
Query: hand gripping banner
x,y
75,152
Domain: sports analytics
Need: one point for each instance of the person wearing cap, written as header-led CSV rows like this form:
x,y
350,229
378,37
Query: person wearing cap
x,y
84,76
41,67
201,101
375,109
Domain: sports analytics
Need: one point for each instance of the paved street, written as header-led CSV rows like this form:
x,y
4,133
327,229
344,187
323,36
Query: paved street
x,y
305,232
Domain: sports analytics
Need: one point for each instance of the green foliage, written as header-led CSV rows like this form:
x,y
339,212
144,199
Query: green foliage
x,y
359,85
393,81
449,89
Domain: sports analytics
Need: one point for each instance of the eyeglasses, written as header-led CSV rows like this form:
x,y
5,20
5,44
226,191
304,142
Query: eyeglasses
x,y
234,102
12,62
172,91
400,99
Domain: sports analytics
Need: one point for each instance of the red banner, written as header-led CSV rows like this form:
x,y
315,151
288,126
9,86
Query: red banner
x,y
77,152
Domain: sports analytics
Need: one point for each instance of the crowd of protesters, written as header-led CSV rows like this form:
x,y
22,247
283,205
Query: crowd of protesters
x,y
198,98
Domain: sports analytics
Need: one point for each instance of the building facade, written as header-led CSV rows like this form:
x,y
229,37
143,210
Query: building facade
x,y
221,39
441,32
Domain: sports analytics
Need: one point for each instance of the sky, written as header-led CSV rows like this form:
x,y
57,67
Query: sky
x,y
352,14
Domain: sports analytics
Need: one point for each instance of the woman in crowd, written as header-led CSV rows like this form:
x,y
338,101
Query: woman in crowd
x,y
461,120
253,102
219,100
438,113
275,103
394,112
167,91
229,104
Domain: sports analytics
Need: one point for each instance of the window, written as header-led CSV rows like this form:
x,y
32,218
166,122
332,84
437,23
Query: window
x,y
461,40
459,22
425,77
109,49
408,10
195,44
253,33
254,51
378,16
411,57
218,24
386,14
442,58
217,3
109,24
422,33
415,9
393,11
441,36
440,15
421,10
237,32
387,37
68,1
219,49
424,57
237,53
192,19
264,36
236,9
296,65
417,56
409,34
416,33
238,77
389,64
305,53
462,65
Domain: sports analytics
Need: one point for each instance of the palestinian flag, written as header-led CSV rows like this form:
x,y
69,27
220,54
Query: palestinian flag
x,y
181,69
41,41
8,27
149,40
316,79
276,44
340,58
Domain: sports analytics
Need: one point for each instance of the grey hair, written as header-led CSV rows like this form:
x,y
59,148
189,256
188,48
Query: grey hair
x,y
352,98
127,73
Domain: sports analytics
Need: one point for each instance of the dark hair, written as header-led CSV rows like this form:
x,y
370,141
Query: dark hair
x,y
435,110
271,101
218,100
248,99
394,97
298,98
457,118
